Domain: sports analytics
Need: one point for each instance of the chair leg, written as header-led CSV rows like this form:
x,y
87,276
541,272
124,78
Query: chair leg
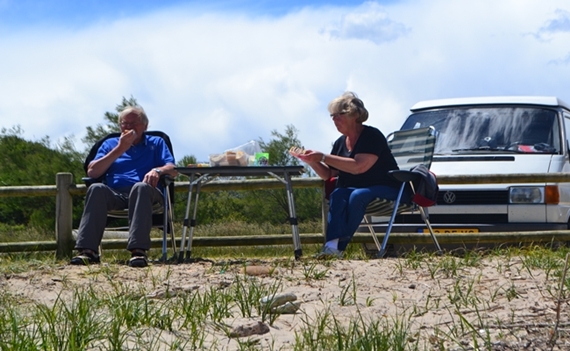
x,y
167,224
425,216
170,222
373,232
368,250
383,250
164,257
172,236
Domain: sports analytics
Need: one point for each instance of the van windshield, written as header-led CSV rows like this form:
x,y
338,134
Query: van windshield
x,y
491,129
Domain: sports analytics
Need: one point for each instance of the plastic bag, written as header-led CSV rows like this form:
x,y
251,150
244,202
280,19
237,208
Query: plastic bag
x,y
250,148
243,155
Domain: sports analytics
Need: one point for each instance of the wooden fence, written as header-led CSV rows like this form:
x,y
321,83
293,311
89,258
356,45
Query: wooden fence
x,y
65,189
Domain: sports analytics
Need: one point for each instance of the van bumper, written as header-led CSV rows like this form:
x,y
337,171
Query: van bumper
x,y
469,227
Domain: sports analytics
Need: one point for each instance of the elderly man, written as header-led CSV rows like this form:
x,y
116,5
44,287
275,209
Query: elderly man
x,y
131,165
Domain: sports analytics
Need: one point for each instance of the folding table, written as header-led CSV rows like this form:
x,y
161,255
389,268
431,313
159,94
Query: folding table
x,y
202,175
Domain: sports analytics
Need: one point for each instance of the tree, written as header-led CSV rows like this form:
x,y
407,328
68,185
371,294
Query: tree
x,y
279,146
112,126
186,160
272,205
33,163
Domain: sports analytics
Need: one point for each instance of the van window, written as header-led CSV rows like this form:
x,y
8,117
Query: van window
x,y
491,129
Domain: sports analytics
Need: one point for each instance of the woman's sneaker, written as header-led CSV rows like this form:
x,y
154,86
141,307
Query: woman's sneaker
x,y
328,253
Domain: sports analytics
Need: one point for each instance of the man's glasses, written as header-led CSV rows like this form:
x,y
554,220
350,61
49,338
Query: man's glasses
x,y
130,124
333,115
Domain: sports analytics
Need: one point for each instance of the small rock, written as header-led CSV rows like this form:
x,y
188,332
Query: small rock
x,y
249,329
258,270
171,291
277,299
287,308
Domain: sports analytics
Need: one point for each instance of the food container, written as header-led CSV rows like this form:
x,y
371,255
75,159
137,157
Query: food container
x,y
229,158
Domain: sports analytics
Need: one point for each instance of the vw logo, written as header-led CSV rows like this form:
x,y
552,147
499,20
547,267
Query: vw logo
x,y
449,197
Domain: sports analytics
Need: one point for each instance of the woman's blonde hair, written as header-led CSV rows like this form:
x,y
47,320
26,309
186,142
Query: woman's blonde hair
x,y
350,104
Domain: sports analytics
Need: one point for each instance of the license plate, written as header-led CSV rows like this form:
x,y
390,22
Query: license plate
x,y
452,230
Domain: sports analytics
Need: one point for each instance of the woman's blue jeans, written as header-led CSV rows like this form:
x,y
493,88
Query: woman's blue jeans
x,y
347,207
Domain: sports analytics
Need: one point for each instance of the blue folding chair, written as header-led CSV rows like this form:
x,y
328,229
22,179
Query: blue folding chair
x,y
162,217
410,148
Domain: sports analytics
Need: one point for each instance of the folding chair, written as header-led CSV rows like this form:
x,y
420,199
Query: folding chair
x,y
410,148
162,217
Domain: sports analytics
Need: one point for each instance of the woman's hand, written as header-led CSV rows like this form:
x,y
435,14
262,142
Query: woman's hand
x,y
307,156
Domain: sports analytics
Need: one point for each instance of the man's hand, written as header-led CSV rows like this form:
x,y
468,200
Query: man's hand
x,y
99,167
152,178
127,139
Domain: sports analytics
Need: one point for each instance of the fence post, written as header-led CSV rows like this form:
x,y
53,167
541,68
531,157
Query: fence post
x,y
63,215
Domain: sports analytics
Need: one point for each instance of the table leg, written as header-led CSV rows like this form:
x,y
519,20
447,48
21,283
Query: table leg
x,y
293,217
185,224
188,256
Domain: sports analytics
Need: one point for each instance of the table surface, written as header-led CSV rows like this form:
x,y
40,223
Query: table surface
x,y
241,171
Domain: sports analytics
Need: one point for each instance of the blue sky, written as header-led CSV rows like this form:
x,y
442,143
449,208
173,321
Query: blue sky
x,y
216,74
86,11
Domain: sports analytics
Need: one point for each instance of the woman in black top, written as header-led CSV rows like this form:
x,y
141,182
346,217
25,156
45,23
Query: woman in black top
x,y
361,159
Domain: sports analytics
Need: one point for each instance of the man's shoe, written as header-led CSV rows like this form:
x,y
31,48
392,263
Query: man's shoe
x,y
138,259
328,253
85,257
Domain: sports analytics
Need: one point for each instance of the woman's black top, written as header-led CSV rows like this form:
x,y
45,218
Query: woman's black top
x,y
370,141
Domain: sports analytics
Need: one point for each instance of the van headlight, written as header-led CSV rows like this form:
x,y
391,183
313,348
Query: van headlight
x,y
526,195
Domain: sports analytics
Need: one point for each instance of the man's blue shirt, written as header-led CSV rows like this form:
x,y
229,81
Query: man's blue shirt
x,y
137,161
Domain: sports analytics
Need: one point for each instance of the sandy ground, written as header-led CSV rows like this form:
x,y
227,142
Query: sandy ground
x,y
515,304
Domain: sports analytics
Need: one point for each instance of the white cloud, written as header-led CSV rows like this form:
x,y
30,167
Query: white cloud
x,y
369,22
217,80
560,24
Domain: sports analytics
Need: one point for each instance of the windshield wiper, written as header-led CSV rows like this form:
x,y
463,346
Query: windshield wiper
x,y
483,148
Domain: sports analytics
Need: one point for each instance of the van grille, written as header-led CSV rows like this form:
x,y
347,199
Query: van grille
x,y
469,197
453,218
464,197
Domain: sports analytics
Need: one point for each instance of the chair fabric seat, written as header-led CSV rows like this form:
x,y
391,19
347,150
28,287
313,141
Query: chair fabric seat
x,y
124,213
384,208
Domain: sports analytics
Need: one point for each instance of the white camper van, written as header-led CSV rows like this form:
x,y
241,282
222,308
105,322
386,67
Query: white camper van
x,y
496,135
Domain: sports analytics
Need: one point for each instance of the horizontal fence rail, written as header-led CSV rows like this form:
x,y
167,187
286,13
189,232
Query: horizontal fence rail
x,y
65,189
317,238
309,182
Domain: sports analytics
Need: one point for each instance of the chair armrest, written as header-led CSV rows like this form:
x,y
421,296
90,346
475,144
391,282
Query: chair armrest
x,y
166,179
404,176
88,180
